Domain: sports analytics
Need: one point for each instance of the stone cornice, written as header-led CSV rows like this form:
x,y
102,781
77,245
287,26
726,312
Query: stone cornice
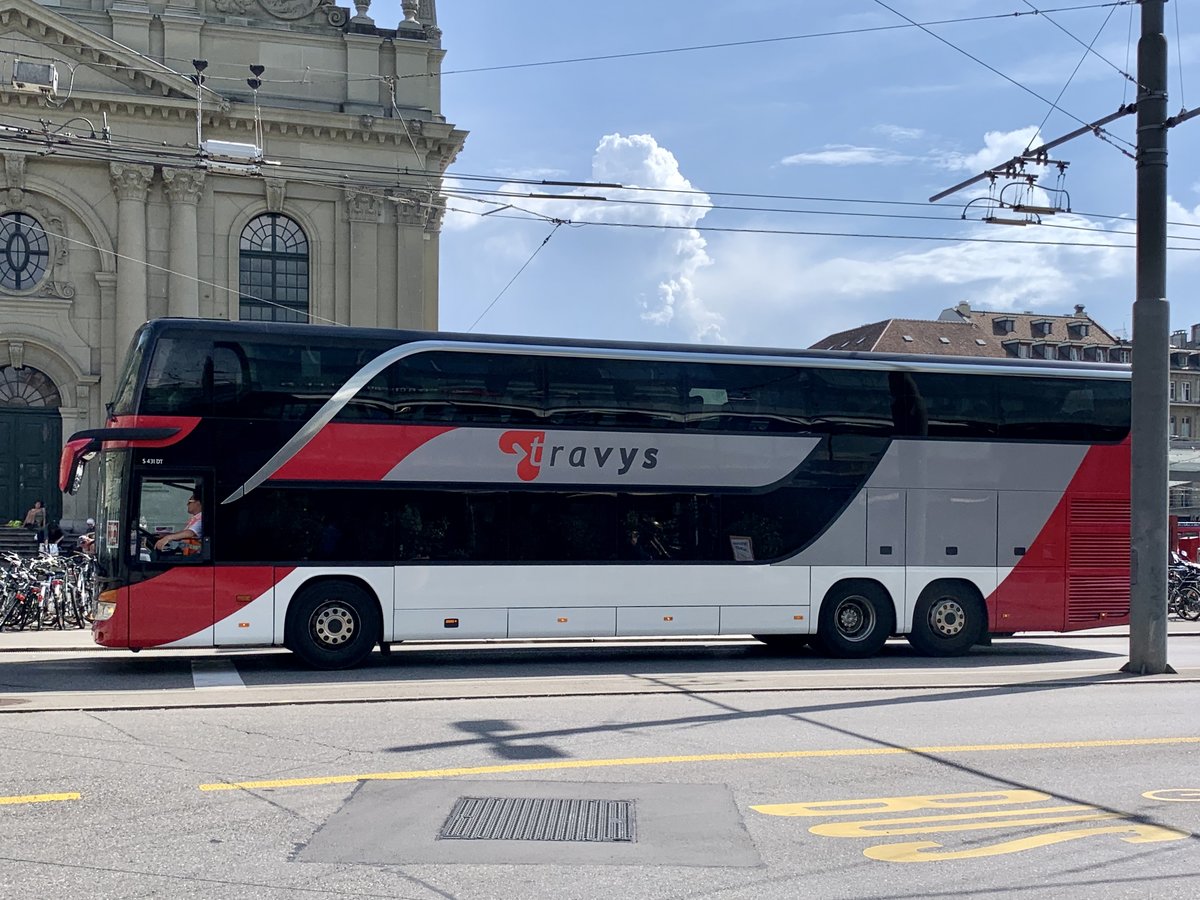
x,y
90,47
437,141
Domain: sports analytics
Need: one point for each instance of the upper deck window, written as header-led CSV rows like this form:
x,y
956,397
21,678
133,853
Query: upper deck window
x,y
273,270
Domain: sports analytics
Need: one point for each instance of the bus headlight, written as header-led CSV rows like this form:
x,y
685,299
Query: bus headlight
x,y
105,610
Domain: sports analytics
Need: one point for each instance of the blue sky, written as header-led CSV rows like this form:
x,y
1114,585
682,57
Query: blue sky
x,y
866,126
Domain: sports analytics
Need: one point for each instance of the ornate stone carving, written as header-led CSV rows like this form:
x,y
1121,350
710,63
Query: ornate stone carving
x,y
232,7
412,207
276,188
291,9
363,205
411,8
334,14
437,212
14,176
360,13
183,185
16,354
131,182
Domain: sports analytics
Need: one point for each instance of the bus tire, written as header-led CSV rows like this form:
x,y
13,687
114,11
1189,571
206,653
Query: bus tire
x,y
856,619
949,619
333,624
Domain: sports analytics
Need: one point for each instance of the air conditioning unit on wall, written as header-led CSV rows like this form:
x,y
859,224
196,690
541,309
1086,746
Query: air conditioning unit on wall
x,y
35,78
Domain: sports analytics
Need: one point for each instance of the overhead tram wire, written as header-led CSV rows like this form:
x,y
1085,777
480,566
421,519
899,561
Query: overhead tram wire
x,y
1087,49
307,71
842,234
994,70
558,224
185,158
476,197
755,41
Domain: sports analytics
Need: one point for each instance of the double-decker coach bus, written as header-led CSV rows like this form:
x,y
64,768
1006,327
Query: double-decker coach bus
x,y
360,487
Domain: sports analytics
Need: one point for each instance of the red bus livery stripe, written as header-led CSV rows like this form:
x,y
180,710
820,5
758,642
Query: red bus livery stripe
x,y
344,452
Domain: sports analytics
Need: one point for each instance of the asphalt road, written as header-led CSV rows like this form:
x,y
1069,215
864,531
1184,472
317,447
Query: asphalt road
x,y
642,770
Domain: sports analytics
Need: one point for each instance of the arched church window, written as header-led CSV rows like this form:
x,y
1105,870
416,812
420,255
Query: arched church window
x,y
273,270
24,251
27,388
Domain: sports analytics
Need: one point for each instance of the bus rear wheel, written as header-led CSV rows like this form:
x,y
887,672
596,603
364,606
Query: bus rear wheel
x,y
856,620
948,620
333,625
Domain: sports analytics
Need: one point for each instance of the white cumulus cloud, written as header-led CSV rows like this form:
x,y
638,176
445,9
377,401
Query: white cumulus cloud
x,y
998,147
847,155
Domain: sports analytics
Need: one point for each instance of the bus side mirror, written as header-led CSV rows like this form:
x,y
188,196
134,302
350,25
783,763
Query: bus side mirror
x,y
75,457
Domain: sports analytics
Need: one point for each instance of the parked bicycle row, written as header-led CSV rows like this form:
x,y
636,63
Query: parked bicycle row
x,y
47,591
1183,588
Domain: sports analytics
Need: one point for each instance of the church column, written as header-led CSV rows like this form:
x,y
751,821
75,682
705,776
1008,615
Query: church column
x,y
183,189
411,216
363,210
131,184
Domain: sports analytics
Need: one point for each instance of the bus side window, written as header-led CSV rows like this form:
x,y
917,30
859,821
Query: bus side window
x,y
175,384
230,377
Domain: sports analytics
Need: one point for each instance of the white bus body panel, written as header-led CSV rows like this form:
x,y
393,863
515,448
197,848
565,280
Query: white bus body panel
x,y
650,621
564,622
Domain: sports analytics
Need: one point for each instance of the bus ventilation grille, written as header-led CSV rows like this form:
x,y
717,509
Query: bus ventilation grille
x,y
1093,599
1096,511
540,819
1098,551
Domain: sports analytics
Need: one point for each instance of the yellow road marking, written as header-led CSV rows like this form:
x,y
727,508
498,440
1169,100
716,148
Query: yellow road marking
x,y
928,851
1174,795
979,821
38,798
559,765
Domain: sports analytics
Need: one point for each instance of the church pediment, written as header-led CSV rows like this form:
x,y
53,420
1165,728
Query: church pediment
x,y
88,60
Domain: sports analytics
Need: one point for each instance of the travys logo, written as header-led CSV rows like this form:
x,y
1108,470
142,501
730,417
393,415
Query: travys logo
x,y
534,454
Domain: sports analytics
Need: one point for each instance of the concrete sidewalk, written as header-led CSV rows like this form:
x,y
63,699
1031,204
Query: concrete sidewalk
x,y
52,641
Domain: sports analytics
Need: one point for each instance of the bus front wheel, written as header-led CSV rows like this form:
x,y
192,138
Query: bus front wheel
x,y
856,620
948,620
333,625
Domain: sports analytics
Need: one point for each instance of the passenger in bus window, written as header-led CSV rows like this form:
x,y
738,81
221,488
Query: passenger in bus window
x,y
188,536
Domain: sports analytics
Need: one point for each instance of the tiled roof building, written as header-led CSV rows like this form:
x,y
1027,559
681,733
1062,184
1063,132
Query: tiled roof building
x,y
962,331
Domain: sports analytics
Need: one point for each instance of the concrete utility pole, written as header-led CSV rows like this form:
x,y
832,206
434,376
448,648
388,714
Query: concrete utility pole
x,y
1151,338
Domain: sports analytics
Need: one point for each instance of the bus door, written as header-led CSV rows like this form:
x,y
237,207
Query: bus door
x,y
171,572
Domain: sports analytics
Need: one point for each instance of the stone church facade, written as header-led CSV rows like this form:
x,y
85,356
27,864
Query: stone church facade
x,y
299,181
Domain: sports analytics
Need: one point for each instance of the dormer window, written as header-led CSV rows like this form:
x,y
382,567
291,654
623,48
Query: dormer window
x,y
1005,326
1078,329
1121,355
1042,327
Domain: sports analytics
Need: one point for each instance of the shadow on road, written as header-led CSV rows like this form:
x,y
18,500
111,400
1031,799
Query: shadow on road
x,y
162,670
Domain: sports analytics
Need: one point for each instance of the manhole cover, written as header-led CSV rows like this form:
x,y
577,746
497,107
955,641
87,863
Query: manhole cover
x,y
540,819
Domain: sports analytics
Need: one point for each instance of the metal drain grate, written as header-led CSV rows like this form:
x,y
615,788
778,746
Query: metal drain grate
x,y
540,819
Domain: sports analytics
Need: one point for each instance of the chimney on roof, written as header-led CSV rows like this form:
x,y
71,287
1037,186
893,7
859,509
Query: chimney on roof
x,y
1079,309
958,313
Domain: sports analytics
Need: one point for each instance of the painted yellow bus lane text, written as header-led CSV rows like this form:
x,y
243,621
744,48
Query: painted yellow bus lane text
x,y
968,812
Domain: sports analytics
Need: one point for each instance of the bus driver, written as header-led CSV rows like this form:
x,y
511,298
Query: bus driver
x,y
190,534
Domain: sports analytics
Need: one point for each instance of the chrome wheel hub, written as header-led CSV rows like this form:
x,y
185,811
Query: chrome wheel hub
x,y
855,618
947,617
333,625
